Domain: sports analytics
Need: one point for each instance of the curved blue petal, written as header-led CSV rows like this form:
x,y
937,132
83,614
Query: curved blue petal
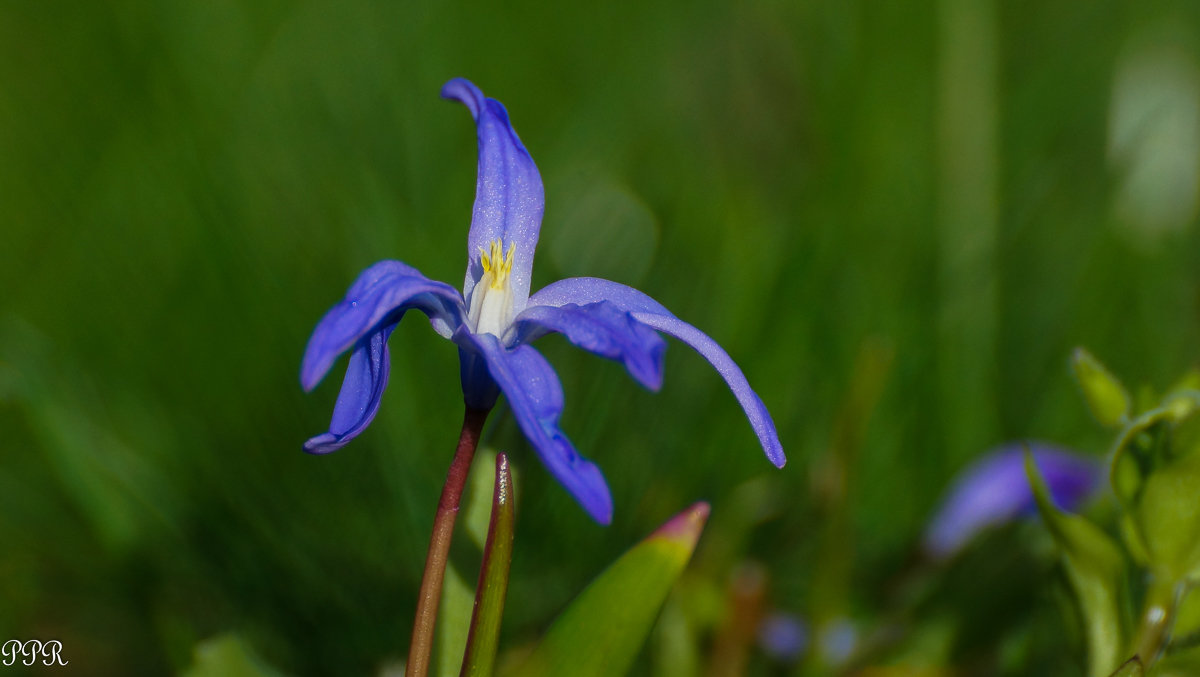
x,y
380,296
479,388
602,329
362,389
508,192
536,398
584,290
994,490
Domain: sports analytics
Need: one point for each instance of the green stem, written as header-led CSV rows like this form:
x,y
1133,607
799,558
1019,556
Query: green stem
x,y
1162,601
421,647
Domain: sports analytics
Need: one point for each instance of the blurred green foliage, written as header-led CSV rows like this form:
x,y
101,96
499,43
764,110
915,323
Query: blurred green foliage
x,y
186,187
1154,475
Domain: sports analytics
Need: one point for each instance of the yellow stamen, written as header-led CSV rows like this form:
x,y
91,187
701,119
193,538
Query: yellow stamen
x,y
497,262
491,299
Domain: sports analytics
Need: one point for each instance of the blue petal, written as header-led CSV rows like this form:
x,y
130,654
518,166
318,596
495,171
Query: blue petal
x,y
584,290
603,329
479,388
994,490
366,377
508,191
536,398
380,296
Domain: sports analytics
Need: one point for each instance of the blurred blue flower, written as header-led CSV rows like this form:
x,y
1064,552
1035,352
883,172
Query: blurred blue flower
x,y
495,318
837,640
783,637
994,490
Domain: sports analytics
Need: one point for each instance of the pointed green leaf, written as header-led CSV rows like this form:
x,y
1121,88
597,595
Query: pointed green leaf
x,y
476,514
484,636
1105,395
1096,570
458,598
601,632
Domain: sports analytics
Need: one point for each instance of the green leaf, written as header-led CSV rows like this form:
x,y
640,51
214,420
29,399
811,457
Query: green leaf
x,y
454,617
675,647
227,656
458,599
1185,436
1187,620
1145,444
476,514
1155,474
1183,662
1096,570
484,637
1105,395
1168,516
1131,668
1131,536
600,634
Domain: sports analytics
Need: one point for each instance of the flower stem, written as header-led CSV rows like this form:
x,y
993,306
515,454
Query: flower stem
x,y
1158,619
421,647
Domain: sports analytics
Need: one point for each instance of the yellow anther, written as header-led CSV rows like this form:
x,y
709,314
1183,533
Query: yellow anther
x,y
491,299
497,262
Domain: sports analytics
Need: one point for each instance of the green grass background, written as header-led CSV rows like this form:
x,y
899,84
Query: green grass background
x,y
926,190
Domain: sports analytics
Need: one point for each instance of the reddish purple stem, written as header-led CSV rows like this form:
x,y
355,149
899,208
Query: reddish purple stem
x,y
421,648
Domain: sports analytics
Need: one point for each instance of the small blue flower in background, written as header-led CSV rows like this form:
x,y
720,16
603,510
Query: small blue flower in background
x,y
495,318
995,490
783,637
837,640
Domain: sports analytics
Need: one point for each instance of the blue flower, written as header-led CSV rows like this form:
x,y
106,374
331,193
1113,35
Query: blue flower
x,y
994,490
495,318
783,636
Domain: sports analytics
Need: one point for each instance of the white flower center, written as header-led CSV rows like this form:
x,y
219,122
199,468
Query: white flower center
x,y
491,298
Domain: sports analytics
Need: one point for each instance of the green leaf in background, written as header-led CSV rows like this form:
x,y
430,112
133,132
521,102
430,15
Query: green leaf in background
x,y
1145,444
1185,433
1183,662
601,632
1168,517
1156,476
480,656
454,618
1105,395
1096,570
1131,668
1185,633
227,656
